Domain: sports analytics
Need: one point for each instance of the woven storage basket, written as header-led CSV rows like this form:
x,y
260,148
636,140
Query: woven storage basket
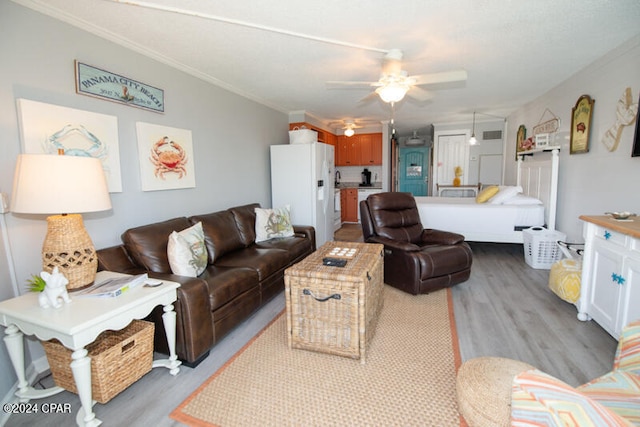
x,y
335,309
118,359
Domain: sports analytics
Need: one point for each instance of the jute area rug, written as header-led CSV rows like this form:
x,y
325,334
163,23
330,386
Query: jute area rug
x,y
408,378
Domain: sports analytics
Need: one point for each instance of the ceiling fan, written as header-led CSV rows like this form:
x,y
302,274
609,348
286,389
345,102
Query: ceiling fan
x,y
395,83
350,125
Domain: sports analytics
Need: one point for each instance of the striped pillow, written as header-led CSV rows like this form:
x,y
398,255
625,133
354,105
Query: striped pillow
x,y
538,399
618,391
628,351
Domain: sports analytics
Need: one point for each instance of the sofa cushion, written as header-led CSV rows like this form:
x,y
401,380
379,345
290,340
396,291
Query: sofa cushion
x,y
226,283
618,391
187,252
297,247
221,234
245,217
264,261
273,223
147,244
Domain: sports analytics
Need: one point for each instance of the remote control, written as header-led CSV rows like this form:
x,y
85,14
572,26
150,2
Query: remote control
x,y
334,262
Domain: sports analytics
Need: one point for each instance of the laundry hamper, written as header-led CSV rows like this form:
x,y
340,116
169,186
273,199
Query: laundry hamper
x,y
118,359
541,248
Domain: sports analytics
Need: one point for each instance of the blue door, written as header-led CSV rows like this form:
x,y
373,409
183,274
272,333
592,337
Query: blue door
x,y
413,170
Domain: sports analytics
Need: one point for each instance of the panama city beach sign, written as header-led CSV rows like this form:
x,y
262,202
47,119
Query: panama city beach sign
x,y
93,81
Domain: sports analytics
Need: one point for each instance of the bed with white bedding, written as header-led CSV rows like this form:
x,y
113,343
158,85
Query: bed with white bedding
x,y
479,222
532,202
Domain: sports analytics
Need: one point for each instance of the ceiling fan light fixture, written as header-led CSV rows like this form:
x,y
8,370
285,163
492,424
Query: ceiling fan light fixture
x,y
392,92
349,132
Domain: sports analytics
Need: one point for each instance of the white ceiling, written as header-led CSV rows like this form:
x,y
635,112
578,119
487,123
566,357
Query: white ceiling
x,y
512,50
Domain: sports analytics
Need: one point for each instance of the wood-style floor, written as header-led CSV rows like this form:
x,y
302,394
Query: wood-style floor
x,y
504,309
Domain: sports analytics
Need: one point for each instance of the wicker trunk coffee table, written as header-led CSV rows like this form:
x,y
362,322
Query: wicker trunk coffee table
x,y
334,309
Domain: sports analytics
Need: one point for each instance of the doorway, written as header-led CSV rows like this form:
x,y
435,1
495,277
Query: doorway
x,y
451,149
413,170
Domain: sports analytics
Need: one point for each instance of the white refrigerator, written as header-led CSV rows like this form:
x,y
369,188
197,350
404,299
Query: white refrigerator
x,y
302,177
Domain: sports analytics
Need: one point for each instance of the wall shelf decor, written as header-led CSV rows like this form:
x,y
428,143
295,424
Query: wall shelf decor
x,y
626,111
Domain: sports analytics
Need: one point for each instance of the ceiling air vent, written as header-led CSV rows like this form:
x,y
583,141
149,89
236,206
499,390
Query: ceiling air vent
x,y
491,134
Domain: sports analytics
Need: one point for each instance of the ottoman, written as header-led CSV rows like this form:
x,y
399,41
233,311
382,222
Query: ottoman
x,y
483,387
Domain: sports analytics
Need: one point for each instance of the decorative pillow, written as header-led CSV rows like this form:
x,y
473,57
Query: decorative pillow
x,y
487,193
273,223
538,399
505,193
521,199
187,252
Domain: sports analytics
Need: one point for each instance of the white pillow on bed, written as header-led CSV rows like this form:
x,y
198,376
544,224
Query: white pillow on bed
x,y
505,193
521,199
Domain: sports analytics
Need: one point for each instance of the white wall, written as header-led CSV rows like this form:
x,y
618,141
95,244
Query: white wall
x,y
231,135
597,181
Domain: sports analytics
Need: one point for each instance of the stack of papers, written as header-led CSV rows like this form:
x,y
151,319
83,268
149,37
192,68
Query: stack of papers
x,y
112,287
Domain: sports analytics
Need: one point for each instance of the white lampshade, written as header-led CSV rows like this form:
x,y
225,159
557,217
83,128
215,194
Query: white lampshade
x,y
51,184
64,186
349,132
392,92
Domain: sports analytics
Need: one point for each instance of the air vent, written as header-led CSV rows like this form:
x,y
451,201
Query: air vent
x,y
491,134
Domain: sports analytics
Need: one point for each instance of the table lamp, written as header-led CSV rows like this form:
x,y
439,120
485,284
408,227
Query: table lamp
x,y
65,186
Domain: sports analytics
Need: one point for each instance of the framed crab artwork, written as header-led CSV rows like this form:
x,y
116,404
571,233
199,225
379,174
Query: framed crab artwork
x,y
166,157
47,129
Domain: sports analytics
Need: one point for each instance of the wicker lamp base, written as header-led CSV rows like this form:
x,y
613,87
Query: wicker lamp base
x,y
68,246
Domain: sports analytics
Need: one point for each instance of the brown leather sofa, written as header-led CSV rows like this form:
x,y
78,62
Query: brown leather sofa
x,y
416,260
241,275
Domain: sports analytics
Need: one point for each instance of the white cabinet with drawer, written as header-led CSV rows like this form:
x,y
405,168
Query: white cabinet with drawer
x,y
610,291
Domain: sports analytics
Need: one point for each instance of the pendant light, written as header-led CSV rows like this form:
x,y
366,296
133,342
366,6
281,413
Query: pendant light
x,y
473,140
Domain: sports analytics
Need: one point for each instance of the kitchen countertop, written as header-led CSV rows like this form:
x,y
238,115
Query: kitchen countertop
x,y
629,227
374,186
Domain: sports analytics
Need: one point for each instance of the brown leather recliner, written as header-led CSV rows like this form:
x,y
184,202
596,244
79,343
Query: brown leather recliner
x,y
416,260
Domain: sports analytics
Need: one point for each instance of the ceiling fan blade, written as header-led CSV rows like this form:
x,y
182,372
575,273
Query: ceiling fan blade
x,y
444,77
349,85
369,98
392,63
419,94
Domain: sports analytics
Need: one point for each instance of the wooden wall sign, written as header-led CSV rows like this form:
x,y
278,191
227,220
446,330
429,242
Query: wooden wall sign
x,y
581,116
99,83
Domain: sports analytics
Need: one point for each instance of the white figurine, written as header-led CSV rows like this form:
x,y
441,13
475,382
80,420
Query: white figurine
x,y
55,289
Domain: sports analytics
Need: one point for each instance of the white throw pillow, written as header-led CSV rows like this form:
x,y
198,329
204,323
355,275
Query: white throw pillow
x,y
521,199
272,223
187,252
505,193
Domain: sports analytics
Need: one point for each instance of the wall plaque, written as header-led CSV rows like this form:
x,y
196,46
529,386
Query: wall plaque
x,y
99,83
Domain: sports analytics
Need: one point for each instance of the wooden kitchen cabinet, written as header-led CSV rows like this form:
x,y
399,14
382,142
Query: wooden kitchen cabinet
x,y
610,288
359,150
349,204
371,149
330,139
348,151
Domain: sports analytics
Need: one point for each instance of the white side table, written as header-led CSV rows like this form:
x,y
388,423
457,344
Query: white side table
x,y
78,324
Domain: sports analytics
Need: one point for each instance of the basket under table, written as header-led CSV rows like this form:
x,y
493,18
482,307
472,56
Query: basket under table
x,y
335,309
